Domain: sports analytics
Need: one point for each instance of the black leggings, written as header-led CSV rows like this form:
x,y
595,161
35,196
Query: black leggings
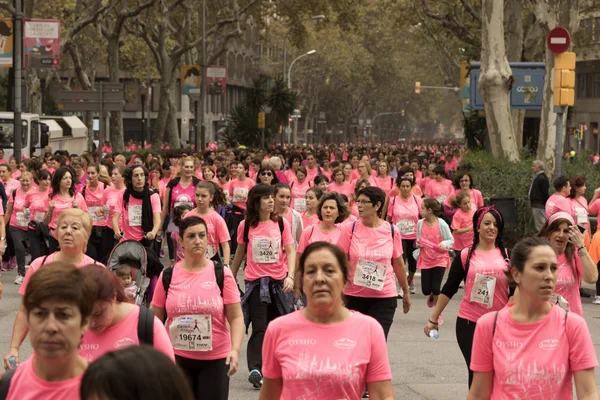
x,y
208,378
465,330
431,280
408,246
37,245
382,309
260,316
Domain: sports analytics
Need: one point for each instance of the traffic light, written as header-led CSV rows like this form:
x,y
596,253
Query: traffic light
x,y
564,79
403,112
417,88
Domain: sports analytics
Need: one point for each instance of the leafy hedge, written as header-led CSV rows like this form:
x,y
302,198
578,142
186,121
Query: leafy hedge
x,y
502,178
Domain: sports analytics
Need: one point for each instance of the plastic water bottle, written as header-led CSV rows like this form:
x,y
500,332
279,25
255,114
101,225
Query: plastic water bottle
x,y
106,211
299,304
13,362
434,334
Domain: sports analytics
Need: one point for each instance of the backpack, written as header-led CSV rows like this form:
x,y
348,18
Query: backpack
x,y
247,229
219,274
5,383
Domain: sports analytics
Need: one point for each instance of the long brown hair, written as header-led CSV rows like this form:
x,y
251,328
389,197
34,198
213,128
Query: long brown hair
x,y
547,229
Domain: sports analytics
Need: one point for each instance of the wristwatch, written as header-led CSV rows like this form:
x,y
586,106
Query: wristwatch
x,y
291,276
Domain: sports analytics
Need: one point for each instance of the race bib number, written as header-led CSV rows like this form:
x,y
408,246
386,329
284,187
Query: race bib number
x,y
135,215
581,214
370,274
39,217
192,332
560,301
406,227
265,250
22,219
483,289
97,214
184,203
300,204
210,251
441,199
239,195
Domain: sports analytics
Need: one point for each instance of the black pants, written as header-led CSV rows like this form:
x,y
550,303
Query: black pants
x,y
382,309
170,246
465,330
208,378
54,246
94,245
10,248
108,243
408,246
260,316
19,238
37,246
431,280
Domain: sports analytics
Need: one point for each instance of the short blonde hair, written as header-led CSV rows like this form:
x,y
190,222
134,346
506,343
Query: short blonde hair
x,y
275,163
86,219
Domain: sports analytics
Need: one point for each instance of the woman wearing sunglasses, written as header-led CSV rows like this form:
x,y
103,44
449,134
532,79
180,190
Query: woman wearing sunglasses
x,y
267,176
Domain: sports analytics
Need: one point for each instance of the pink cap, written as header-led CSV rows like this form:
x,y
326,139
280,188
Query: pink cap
x,y
561,215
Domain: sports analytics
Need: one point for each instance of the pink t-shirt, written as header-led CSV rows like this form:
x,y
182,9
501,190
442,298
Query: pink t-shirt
x,y
217,228
311,173
62,203
354,175
37,264
162,186
423,182
111,196
26,385
439,190
315,234
567,283
405,215
557,203
196,294
121,335
532,361
345,188
18,218
238,190
131,216
299,192
11,185
93,199
224,187
462,220
580,208
594,207
318,361
183,195
265,245
488,264
308,221
385,183
474,194
371,245
37,202
16,174
429,258
326,174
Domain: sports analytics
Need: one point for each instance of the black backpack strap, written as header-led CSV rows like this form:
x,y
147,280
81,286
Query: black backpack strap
x,y
246,232
280,222
220,275
291,185
166,279
5,383
14,194
44,260
392,226
145,326
311,232
353,226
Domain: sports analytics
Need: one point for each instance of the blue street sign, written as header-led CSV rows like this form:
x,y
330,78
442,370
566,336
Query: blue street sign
x,y
527,89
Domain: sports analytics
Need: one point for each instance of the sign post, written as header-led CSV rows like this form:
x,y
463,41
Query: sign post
x,y
261,126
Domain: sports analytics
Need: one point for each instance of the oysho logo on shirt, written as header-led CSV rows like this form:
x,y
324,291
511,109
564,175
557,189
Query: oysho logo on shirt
x,y
208,285
180,287
344,344
304,342
89,346
509,345
550,344
125,342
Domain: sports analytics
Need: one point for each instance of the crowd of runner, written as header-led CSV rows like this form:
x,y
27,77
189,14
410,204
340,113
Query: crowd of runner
x,y
329,239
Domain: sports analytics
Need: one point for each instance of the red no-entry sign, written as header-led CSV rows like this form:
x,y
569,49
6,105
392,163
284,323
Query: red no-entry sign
x,y
559,40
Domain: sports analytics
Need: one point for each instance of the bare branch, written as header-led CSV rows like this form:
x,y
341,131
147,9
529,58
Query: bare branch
x,y
5,5
476,15
450,23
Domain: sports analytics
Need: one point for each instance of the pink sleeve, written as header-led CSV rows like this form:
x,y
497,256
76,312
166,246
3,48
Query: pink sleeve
x,y
482,357
240,232
162,342
119,205
104,198
27,201
302,242
581,348
397,252
222,231
155,201
479,199
379,364
81,202
455,223
159,299
286,237
427,189
392,203
271,368
35,265
231,293
344,240
595,207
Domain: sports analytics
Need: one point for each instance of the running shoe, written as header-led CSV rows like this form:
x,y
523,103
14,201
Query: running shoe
x,y
440,320
596,300
4,266
366,394
255,378
13,263
411,287
19,280
430,301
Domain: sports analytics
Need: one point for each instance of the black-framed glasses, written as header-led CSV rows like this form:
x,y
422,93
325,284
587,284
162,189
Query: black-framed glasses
x,y
266,173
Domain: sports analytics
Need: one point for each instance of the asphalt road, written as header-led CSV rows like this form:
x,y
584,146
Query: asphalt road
x,y
422,368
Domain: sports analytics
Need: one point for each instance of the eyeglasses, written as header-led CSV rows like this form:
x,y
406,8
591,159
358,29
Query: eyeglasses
x,y
363,202
465,180
266,173
220,176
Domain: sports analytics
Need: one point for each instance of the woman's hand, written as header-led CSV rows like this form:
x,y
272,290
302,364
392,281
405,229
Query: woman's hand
x,y
51,205
576,236
443,247
406,303
288,284
233,361
150,235
75,203
118,235
428,327
12,352
99,211
1,290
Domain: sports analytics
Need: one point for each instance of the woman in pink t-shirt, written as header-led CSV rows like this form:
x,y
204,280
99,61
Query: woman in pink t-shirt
x,y
293,163
481,267
339,185
110,197
374,249
17,220
463,182
404,211
364,172
383,180
359,185
580,204
57,308
270,261
574,261
341,351
114,321
440,187
283,198
462,221
331,212
36,201
310,217
532,348
62,196
299,186
9,183
209,197
349,173
93,192
240,185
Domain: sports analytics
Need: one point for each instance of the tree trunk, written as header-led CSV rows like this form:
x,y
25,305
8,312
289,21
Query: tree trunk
x,y
513,24
34,91
116,117
495,81
172,128
162,116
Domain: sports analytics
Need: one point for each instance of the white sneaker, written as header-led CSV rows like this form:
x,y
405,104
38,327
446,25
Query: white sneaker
x,y
596,300
19,280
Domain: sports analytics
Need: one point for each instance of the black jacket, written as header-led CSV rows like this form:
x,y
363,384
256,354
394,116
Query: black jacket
x,y
539,191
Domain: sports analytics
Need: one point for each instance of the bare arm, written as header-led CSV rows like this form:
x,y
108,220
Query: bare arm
x,y
585,384
271,389
156,220
159,312
226,252
400,271
7,214
381,390
115,225
235,318
237,260
290,252
588,267
20,330
481,389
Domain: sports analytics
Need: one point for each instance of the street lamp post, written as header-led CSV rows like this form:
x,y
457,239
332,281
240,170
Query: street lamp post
x,y
315,18
308,53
